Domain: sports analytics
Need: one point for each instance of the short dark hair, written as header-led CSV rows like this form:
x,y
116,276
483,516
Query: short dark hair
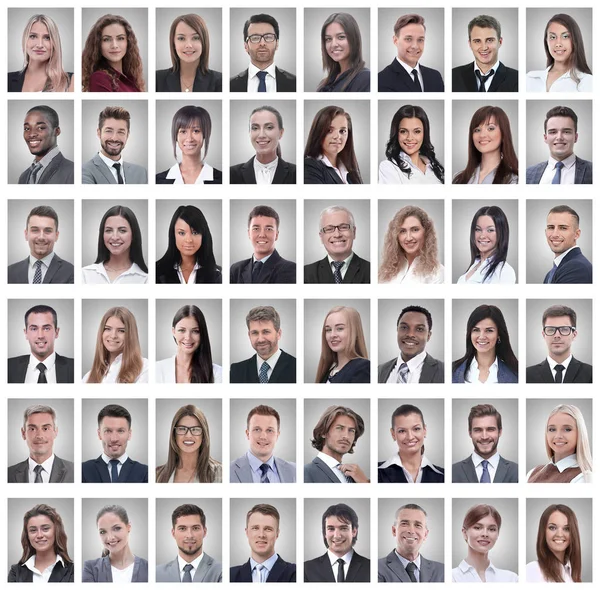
x,y
406,410
485,21
559,111
114,411
188,116
483,410
345,514
556,311
416,309
408,19
48,112
263,410
43,211
264,211
118,113
565,209
188,510
261,18
42,309
266,509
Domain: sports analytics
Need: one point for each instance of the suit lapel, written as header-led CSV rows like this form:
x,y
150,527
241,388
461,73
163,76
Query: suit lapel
x,y
353,268
126,470
469,470
468,76
498,79
22,371
425,573
502,471
55,264
579,170
22,472
174,83
547,376
356,566
396,566
102,469
280,368
326,470
60,364
51,169
248,172
202,570
243,470
276,570
58,471
427,371
268,267
572,371
281,172
103,169
404,79
324,272
246,274
324,567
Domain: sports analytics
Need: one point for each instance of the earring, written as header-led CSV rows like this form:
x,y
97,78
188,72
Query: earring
x,y
498,341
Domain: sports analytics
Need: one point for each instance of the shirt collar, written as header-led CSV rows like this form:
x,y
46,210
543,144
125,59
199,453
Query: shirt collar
x,y
253,70
109,162
263,259
405,561
567,162
271,361
134,269
413,363
560,257
396,460
120,459
48,361
553,363
465,567
493,460
182,562
342,169
346,260
408,67
333,557
207,173
269,165
494,67
255,462
268,563
570,461
30,564
48,157
47,464
328,460
46,261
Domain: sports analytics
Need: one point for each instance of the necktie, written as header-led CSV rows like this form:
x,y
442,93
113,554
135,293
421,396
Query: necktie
x,y
38,474
187,576
117,167
559,166
264,478
41,367
483,79
403,372
114,472
339,468
263,376
558,378
415,76
340,575
256,268
37,274
411,568
35,168
485,475
262,573
550,275
262,85
337,271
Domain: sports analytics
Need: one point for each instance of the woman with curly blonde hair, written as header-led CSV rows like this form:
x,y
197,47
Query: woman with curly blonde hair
x,y
410,250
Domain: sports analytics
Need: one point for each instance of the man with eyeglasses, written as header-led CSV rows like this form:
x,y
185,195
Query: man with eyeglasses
x,y
337,231
559,329
261,41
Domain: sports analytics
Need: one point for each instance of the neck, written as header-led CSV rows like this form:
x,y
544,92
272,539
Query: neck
x,y
188,70
42,357
339,256
490,161
113,355
342,359
485,359
562,357
44,558
121,559
560,555
184,359
412,462
560,456
263,459
484,68
192,162
406,357
267,157
485,255
337,456
344,65
479,561
560,67
332,159
410,556
39,459
119,261
189,558
259,558
410,258
114,158
415,158
38,157
262,66
188,461
188,261
260,256
266,358
118,66
36,67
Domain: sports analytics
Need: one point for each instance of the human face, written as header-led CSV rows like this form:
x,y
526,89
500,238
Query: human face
x,y
559,43
117,235
38,45
114,45
559,346
263,234
265,135
114,433
337,332
187,240
410,531
262,531
113,336
262,54
487,136
337,243
113,137
485,436
484,336
339,535
335,139
264,338
190,140
484,44
41,334
410,135
188,45
409,433
188,443
560,137
336,45
114,533
189,534
41,234
561,435
482,536
39,135
558,534
187,335
413,334
262,433
562,232
410,43
411,237
485,235
39,433
339,438
41,533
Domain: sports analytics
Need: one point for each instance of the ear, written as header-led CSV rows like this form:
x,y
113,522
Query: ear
x,y
57,131
23,434
57,331
500,42
98,132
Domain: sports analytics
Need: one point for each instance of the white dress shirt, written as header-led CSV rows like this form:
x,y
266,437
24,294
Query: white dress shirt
x,y
415,367
536,82
341,170
265,173
333,464
46,469
553,364
567,174
271,361
407,275
335,565
41,577
390,173
488,82
192,278
533,573
566,463
344,268
195,565
558,259
396,460
207,173
472,375
504,274
409,70
46,261
109,164
115,367
95,274
33,373
120,459
166,371
467,573
122,576
492,465
405,562
270,79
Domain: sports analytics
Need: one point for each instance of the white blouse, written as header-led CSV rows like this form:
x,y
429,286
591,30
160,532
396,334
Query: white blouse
x,y
536,82
115,367
467,573
95,274
390,173
533,573
207,173
165,371
407,276
503,274
473,374
122,576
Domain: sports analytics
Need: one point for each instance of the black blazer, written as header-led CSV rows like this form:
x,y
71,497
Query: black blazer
x,y
395,474
359,271
285,173
275,270
432,371
317,172
60,573
203,275
394,78
169,81
577,372
358,370
161,178
59,272
96,471
574,268
282,571
246,372
286,82
17,369
16,80
319,569
505,79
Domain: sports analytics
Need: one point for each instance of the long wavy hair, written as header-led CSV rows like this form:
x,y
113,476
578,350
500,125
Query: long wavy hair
x,y
93,60
393,259
60,536
328,417
196,22
393,149
118,511
207,467
509,163
132,363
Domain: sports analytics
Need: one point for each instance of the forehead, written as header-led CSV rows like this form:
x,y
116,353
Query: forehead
x,y
187,322
261,325
335,217
188,421
484,422
184,29
334,28
114,322
262,117
114,30
411,514
411,221
491,120
109,519
188,520
263,421
334,521
39,221
339,121
483,33
114,422
263,221
558,518
36,118
40,319
560,219
116,221
39,520
336,318
113,123
486,323
412,30
413,317
181,224
487,520
560,123
562,418
561,320
40,418
260,29
557,28
39,27
407,421
343,421
260,519
411,123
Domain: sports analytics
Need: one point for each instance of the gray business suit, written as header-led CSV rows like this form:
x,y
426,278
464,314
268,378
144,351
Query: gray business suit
x,y
98,570
319,472
464,471
59,272
62,472
241,472
95,171
208,571
390,569
432,371
59,171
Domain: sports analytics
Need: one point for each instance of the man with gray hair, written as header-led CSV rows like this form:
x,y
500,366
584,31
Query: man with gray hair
x,y
39,431
337,230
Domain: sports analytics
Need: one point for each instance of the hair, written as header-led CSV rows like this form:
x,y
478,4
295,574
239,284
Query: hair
x,y
416,309
266,509
188,510
566,209
509,164
197,23
483,410
337,209
407,410
263,410
43,211
187,117
556,311
38,409
48,112
476,513
583,449
318,131
118,113
504,351
393,259
344,513
114,411
393,149
264,313
329,416
93,61
561,112
263,211
408,507
118,511
206,468
132,363
278,116
485,21
261,18
60,536
42,309
408,19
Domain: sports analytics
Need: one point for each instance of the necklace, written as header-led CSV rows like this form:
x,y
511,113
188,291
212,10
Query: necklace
x,y
115,269
187,87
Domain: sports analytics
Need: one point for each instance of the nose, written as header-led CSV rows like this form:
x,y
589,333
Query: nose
x,y
115,45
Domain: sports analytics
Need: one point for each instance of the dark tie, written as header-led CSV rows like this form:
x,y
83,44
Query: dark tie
x,y
117,167
483,79
337,271
559,166
256,268
415,76
403,373
264,478
263,375
558,378
340,576
41,367
262,85
411,568
37,274
550,275
114,472
38,474
485,474
35,168
187,576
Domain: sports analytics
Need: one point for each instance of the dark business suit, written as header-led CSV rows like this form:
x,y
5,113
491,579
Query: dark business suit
x,y
59,171
161,178
17,369
395,474
59,272
464,471
169,81
390,569
317,172
359,271
246,371
319,569
583,172
285,173
203,275
96,471
505,373
432,371
62,472
394,78
98,570
275,270
282,571
358,370
17,79
573,268
286,82
319,472
60,573
505,79
577,372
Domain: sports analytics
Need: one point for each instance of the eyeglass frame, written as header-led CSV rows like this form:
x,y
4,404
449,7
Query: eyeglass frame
x,y
187,429
249,38
338,227
559,328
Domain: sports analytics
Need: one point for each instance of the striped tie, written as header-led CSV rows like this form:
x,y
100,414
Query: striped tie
x,y
37,275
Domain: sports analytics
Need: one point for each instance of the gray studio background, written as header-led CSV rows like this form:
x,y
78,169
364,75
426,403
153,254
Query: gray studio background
x,y
463,308
583,510
17,21
19,156
166,547
505,553
433,413
137,512
538,412
463,212
136,17
241,246
462,445
240,342
63,443
165,312
167,408
539,256
433,53
165,111
387,336
537,150
17,507
241,149
15,325
93,211
19,209
314,508
314,409
435,114
91,445
313,23
537,19
136,148
213,19
433,547
537,351
315,312
462,113
313,247
359,111
286,444
285,545
508,53
92,312
285,56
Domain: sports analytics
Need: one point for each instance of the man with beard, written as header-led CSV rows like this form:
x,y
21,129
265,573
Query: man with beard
x,y
485,465
107,166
